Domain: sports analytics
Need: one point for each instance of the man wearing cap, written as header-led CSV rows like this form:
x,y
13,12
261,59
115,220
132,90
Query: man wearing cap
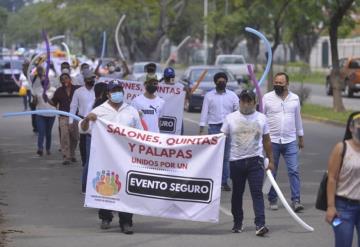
x,y
249,136
68,132
150,105
117,111
282,108
218,103
82,102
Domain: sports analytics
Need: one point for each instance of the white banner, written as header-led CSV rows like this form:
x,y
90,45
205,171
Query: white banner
x,y
174,96
155,174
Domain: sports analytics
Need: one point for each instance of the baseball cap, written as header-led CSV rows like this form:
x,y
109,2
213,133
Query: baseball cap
x,y
169,72
113,84
88,74
247,94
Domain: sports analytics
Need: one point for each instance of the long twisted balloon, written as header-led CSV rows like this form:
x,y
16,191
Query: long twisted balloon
x,y
268,48
117,37
46,83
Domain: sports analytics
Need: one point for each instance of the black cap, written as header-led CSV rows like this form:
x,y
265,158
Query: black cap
x,y
247,95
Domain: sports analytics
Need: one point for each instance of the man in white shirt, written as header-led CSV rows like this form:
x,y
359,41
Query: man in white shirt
x,y
81,104
218,103
150,105
79,78
249,137
116,111
282,108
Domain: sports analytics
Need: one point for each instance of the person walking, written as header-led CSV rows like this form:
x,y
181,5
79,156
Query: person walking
x,y
81,104
116,111
249,137
218,103
69,132
343,193
282,108
150,105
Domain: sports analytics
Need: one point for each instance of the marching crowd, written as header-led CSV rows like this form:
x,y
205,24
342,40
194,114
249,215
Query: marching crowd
x,y
275,132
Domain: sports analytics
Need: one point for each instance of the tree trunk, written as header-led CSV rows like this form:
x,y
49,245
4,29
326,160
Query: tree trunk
x,y
335,75
252,45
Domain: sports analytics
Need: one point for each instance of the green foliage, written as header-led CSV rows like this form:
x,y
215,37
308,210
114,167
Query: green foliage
x,y
3,19
324,113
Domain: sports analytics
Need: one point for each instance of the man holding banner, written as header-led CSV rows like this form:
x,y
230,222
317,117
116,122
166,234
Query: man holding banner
x,y
116,111
249,136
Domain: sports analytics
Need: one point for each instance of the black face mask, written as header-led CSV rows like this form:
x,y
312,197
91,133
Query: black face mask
x,y
279,90
151,89
90,83
221,86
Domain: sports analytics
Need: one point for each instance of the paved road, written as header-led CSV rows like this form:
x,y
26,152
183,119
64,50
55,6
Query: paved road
x,y
42,204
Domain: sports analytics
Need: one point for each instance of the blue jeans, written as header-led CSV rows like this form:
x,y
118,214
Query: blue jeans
x,y
250,169
86,167
290,153
44,126
215,129
349,213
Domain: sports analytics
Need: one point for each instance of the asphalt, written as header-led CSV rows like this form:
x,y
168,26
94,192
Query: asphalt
x,y
42,204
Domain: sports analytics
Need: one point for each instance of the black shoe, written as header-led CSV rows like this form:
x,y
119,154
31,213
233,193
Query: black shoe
x,y
237,228
127,229
40,152
105,224
66,162
225,187
261,231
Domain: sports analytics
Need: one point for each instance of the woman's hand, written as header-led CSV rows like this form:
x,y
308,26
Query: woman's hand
x,y
331,213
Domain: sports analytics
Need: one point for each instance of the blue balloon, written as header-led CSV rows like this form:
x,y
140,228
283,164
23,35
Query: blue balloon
x,y
268,48
54,112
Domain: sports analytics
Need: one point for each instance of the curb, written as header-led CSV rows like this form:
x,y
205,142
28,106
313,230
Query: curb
x,y
323,120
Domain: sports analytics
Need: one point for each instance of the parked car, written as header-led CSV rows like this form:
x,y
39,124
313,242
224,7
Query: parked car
x,y
349,77
137,70
234,63
192,74
7,68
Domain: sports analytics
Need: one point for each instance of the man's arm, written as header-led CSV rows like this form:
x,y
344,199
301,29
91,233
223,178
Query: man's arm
x,y
84,124
268,150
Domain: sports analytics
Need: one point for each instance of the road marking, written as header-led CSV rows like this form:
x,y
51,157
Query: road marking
x,y
225,211
191,121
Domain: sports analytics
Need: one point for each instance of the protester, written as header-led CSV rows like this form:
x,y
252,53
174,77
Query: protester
x,y
218,103
150,72
69,132
79,78
343,193
81,104
249,136
116,111
282,108
44,121
23,82
150,105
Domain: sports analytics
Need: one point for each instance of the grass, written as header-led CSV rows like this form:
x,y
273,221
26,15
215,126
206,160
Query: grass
x,y
324,113
311,78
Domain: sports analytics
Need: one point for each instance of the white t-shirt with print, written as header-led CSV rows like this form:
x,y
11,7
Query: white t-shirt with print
x,y
246,132
151,110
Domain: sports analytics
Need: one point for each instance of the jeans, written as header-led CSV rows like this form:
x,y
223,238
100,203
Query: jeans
x,y
250,169
290,154
124,218
86,167
44,125
215,129
26,99
349,213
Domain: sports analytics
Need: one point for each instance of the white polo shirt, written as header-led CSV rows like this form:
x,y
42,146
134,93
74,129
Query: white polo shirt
x,y
82,101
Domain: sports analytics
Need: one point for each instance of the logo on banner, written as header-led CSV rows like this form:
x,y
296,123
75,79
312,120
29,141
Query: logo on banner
x,y
169,187
168,124
106,183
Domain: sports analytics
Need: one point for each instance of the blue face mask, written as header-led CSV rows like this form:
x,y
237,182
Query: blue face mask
x,y
116,97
